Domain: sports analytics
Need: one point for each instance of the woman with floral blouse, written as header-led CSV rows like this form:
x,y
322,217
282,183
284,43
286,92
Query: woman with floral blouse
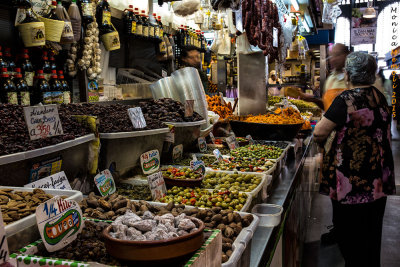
x,y
358,170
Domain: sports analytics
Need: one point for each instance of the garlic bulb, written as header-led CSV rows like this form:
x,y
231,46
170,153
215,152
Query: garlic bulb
x,y
91,54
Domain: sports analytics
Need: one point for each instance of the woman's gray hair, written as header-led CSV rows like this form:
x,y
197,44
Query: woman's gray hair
x,y
361,68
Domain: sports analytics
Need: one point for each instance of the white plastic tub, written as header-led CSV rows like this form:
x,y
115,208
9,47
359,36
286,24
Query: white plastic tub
x,y
269,214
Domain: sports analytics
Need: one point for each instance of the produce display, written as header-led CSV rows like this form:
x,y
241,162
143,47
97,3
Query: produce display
x,y
301,104
279,144
140,191
239,164
90,243
281,116
223,150
150,227
15,136
205,199
232,182
16,205
184,161
272,100
215,105
257,151
180,173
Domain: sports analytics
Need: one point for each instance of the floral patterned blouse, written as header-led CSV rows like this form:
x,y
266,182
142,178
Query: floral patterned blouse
x,y
359,166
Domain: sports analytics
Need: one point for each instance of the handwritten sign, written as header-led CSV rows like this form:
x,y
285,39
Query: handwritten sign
x,y
218,155
4,254
42,121
362,31
232,143
170,136
105,183
150,161
251,141
202,144
157,185
212,138
177,152
189,105
198,166
59,222
137,118
55,181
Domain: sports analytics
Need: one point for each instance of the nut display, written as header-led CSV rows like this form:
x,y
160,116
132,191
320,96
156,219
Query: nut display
x,y
281,116
91,246
140,191
180,173
16,205
206,199
257,151
232,182
150,227
215,105
15,136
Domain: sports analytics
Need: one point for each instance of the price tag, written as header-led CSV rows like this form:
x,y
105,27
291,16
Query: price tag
x,y
55,181
202,144
198,166
232,143
150,161
42,121
275,37
4,253
218,155
59,222
189,105
137,118
45,168
105,183
170,136
157,185
177,152
251,141
212,137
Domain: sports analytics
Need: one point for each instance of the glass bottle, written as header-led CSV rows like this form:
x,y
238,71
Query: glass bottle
x,y
161,27
129,23
103,17
46,67
7,88
53,65
87,11
152,29
76,20
156,27
27,68
41,90
52,14
22,88
57,95
65,88
9,60
145,24
139,23
3,63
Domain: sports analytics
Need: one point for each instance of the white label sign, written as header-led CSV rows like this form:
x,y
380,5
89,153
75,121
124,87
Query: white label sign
x,y
42,121
55,181
157,185
275,36
218,155
251,141
105,183
177,152
198,166
4,254
150,161
137,118
170,136
59,222
212,138
232,143
202,144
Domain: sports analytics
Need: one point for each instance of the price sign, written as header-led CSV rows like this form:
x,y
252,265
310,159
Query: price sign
x,y
4,254
189,105
177,152
55,181
150,161
202,144
59,222
198,166
170,136
251,141
212,138
137,118
157,185
45,168
275,37
105,183
218,155
42,121
232,143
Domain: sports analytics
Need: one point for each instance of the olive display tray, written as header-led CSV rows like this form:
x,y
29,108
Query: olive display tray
x,y
242,242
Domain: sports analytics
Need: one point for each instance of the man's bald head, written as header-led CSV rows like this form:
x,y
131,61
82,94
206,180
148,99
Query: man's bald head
x,y
337,56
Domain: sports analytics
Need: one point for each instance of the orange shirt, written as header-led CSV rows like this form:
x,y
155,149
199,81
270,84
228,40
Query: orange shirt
x,y
334,86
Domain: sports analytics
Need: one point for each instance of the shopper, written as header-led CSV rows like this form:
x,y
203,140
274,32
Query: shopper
x,y
358,171
190,57
273,80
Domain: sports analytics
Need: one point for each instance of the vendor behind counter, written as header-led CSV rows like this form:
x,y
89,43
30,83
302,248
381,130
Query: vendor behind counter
x,y
273,79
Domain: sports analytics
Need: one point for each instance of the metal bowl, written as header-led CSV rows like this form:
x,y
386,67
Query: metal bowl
x,y
154,250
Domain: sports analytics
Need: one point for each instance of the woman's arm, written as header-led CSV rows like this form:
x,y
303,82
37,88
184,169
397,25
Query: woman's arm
x,y
323,129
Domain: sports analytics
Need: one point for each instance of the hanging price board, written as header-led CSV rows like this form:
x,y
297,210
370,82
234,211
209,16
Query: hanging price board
x,y
150,161
55,181
251,141
137,118
157,185
170,136
177,152
202,144
198,166
59,222
212,137
42,121
4,253
105,183
189,105
232,143
218,155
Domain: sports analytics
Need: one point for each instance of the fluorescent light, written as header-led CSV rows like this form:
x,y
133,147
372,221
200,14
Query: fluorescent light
x,y
295,4
305,25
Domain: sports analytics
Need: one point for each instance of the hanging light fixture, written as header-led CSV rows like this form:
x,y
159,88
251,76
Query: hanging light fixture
x,y
370,12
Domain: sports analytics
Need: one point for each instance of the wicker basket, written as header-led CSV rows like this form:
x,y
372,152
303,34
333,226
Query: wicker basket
x,y
54,29
32,34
